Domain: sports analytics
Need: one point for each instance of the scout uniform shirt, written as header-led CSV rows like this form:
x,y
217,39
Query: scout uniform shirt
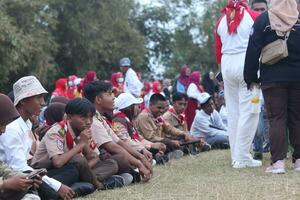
x,y
59,139
153,129
175,120
125,130
101,131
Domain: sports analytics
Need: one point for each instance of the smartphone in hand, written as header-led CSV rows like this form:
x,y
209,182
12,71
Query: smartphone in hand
x,y
35,173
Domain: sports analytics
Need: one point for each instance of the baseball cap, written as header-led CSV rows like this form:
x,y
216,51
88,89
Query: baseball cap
x,y
125,100
125,62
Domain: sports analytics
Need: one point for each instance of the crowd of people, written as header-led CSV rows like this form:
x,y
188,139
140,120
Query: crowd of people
x,y
103,134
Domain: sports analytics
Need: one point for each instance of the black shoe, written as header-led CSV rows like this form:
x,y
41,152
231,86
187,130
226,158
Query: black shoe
x,y
82,188
115,181
258,156
205,147
161,159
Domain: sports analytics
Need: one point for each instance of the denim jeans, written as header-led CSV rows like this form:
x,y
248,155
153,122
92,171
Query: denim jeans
x,y
262,133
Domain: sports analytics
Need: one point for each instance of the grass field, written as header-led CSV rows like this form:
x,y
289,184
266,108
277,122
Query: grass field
x,y
209,176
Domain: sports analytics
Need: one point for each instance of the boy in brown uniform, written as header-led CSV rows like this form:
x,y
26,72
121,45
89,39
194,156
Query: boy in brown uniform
x,y
70,142
154,128
175,117
100,94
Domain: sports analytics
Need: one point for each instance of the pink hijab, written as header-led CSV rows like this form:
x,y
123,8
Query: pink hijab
x,y
184,78
195,78
283,14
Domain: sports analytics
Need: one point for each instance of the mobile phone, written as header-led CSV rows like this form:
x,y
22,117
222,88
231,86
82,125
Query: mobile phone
x,y
37,172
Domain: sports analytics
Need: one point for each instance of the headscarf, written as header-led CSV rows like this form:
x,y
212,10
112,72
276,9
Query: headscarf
x,y
8,112
89,77
71,87
184,78
156,88
195,78
283,14
147,87
234,12
54,113
114,79
60,87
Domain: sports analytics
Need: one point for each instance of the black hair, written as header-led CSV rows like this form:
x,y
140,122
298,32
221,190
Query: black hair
x,y
177,96
96,88
80,106
11,96
259,1
157,97
206,103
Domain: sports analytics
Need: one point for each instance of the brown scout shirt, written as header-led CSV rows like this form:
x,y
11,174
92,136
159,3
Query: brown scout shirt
x,y
148,127
174,120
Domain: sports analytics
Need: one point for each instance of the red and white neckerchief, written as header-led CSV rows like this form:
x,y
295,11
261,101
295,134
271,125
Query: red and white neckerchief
x,y
159,121
180,118
70,139
135,135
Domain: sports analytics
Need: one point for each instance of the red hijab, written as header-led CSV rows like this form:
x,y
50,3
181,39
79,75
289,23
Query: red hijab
x,y
147,87
156,88
195,78
60,87
114,79
184,78
234,12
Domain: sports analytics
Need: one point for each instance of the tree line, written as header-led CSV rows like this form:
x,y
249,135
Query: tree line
x,y
57,38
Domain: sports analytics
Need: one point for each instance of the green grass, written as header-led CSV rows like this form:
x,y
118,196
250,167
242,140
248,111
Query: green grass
x,y
209,176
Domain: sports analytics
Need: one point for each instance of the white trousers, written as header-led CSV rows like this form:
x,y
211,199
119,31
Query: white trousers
x,y
242,124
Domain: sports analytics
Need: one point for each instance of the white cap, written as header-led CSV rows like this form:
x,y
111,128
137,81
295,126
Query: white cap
x,y
125,100
203,97
27,86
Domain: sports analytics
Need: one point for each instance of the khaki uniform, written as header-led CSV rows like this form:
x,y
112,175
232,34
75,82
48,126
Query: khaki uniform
x,y
102,132
53,143
155,131
122,131
174,120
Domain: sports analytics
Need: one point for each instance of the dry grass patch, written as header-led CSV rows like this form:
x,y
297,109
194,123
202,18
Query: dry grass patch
x,y
209,176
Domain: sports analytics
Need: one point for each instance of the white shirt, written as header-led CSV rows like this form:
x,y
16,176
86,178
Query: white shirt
x,y
235,43
132,84
193,91
205,125
15,146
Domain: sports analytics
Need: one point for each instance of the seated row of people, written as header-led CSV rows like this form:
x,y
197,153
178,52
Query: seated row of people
x,y
95,142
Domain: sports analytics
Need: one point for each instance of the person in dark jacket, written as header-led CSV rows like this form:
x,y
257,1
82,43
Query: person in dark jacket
x,y
280,82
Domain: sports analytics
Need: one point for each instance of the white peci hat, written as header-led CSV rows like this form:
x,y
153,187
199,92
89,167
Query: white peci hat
x,y
27,86
203,97
125,100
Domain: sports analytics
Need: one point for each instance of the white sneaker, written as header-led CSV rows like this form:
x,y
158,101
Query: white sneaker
x,y
277,167
246,163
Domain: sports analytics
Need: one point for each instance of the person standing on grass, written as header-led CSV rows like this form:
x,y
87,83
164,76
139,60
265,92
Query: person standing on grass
x,y
132,84
280,81
232,34
193,91
260,6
